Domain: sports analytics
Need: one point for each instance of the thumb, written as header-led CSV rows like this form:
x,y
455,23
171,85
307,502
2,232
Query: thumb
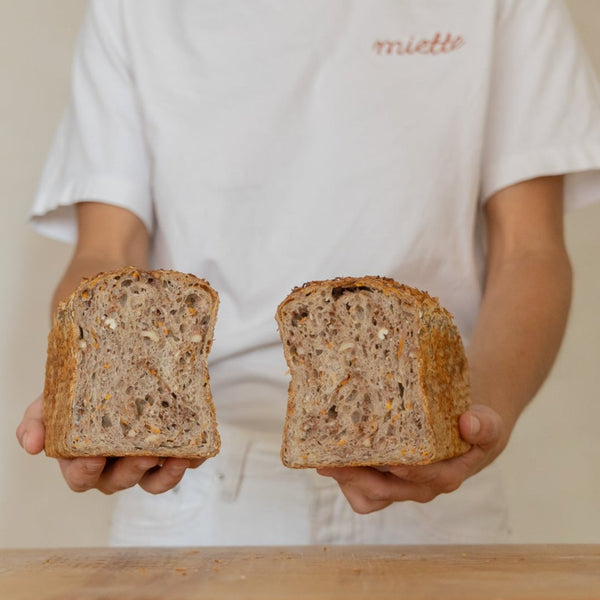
x,y
480,426
30,431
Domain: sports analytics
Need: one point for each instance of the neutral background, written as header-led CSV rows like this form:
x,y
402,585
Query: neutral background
x,y
551,467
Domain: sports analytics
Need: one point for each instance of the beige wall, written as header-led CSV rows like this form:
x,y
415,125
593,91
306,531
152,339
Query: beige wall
x,y
551,467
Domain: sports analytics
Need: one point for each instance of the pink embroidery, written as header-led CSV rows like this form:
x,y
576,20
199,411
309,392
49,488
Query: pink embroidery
x,y
438,44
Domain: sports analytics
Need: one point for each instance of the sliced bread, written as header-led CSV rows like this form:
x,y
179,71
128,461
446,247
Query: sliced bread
x,y
378,375
127,371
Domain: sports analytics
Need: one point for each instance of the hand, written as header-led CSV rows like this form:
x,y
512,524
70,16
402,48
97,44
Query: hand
x,y
153,474
368,489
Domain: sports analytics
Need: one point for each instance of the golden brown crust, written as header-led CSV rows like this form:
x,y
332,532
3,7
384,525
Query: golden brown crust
x,y
61,374
62,371
445,382
445,367
385,284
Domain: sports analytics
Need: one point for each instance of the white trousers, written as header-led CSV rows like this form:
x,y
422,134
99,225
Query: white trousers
x,y
245,496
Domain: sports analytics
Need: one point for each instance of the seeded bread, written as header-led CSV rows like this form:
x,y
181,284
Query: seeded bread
x,y
378,375
127,373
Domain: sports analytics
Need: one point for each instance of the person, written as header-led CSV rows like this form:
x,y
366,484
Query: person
x,y
261,146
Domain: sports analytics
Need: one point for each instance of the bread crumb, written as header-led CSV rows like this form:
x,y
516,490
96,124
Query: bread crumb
x,y
382,333
346,346
196,338
152,335
400,346
111,323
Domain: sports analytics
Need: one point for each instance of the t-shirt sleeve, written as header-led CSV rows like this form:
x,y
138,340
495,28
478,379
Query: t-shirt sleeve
x,y
544,104
99,151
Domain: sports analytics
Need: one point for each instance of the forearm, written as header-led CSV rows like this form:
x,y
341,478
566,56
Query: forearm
x,y
78,269
109,238
519,329
81,267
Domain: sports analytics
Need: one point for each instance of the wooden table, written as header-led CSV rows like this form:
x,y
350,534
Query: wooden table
x,y
308,572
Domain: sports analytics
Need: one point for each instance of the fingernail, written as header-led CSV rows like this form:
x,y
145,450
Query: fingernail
x,y
25,438
474,426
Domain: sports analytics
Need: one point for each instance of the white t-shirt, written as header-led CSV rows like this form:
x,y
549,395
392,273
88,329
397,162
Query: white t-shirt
x,y
265,144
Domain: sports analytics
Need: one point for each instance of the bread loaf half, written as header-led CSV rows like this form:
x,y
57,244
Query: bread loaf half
x,y
127,372
379,375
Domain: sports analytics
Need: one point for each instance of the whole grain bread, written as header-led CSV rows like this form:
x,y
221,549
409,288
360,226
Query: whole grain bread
x,y
127,372
378,375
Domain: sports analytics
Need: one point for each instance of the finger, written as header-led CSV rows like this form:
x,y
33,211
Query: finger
x,y
82,473
165,477
125,472
30,431
442,477
361,486
360,503
481,426
196,462
368,490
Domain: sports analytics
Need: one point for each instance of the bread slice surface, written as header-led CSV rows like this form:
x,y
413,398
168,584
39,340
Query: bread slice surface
x,y
127,371
379,375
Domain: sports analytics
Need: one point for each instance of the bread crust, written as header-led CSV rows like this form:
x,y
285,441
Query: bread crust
x,y
62,373
442,365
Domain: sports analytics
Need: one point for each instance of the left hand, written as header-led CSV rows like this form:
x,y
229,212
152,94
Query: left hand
x,y
368,489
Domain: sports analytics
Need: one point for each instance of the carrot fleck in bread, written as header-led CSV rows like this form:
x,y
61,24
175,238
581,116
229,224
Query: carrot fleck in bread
x,y
127,373
379,375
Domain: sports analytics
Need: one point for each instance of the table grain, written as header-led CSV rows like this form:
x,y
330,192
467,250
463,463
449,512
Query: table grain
x,y
508,572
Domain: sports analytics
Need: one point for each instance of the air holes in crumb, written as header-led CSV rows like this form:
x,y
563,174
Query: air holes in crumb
x,y
298,316
332,412
139,406
336,292
126,283
191,299
401,390
106,422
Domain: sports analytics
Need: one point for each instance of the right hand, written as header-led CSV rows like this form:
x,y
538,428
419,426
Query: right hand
x,y
151,473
